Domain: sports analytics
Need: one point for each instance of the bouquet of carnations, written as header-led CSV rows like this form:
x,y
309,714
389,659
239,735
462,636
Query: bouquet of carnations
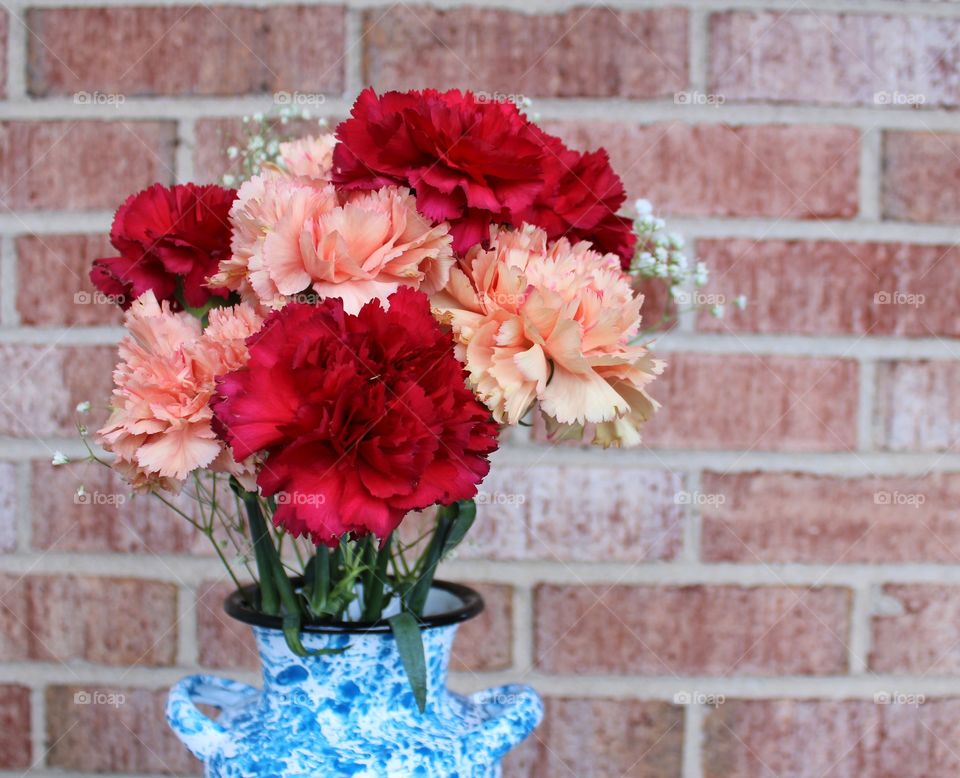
x,y
342,339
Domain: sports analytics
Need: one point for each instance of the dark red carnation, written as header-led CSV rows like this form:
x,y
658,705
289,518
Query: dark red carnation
x,y
170,239
471,163
580,200
363,418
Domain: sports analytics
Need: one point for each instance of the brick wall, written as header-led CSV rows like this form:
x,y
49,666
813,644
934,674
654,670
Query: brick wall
x,y
724,602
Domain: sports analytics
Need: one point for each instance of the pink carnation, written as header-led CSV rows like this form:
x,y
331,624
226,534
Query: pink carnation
x,y
160,428
310,157
551,325
292,238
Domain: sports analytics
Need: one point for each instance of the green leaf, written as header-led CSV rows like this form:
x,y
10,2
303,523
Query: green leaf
x,y
406,631
460,526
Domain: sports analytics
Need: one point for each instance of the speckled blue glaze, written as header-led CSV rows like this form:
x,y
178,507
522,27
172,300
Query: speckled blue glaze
x,y
350,714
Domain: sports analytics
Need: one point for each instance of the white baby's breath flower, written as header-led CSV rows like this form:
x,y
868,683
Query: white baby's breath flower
x,y
81,491
717,311
644,207
83,407
59,458
740,301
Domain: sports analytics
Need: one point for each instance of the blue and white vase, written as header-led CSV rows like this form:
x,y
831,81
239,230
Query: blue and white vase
x,y
352,713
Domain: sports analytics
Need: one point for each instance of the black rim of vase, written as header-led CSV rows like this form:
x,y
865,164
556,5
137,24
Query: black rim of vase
x,y
238,606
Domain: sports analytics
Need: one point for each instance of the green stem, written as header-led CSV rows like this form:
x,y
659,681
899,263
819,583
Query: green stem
x,y
375,577
264,551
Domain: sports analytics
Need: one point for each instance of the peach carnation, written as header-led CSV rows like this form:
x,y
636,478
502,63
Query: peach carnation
x,y
160,428
291,238
310,157
551,325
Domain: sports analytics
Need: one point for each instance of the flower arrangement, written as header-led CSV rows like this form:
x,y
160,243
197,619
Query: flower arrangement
x,y
342,337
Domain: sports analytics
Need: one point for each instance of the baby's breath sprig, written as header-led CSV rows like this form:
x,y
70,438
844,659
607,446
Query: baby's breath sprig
x,y
660,256
262,134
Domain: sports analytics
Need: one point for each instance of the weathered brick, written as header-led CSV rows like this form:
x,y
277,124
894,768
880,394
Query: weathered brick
x,y
53,281
916,630
836,738
917,407
113,621
769,403
147,51
799,172
600,738
223,641
920,174
98,729
797,517
8,506
645,630
215,136
572,513
841,59
509,53
40,387
108,517
15,748
887,289
485,642
40,166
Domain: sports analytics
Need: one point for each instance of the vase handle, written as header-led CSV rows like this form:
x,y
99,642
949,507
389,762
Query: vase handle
x,y
198,732
511,713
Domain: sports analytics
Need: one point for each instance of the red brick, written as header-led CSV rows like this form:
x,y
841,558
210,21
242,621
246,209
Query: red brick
x,y
570,513
40,166
918,408
835,58
917,630
112,621
800,172
8,506
796,517
216,50
110,517
215,136
691,630
485,642
835,738
15,748
887,289
223,641
41,386
120,730
602,738
769,403
921,171
53,281
504,53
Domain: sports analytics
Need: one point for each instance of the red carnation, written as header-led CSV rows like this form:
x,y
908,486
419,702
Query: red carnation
x,y
170,239
580,200
470,163
363,417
